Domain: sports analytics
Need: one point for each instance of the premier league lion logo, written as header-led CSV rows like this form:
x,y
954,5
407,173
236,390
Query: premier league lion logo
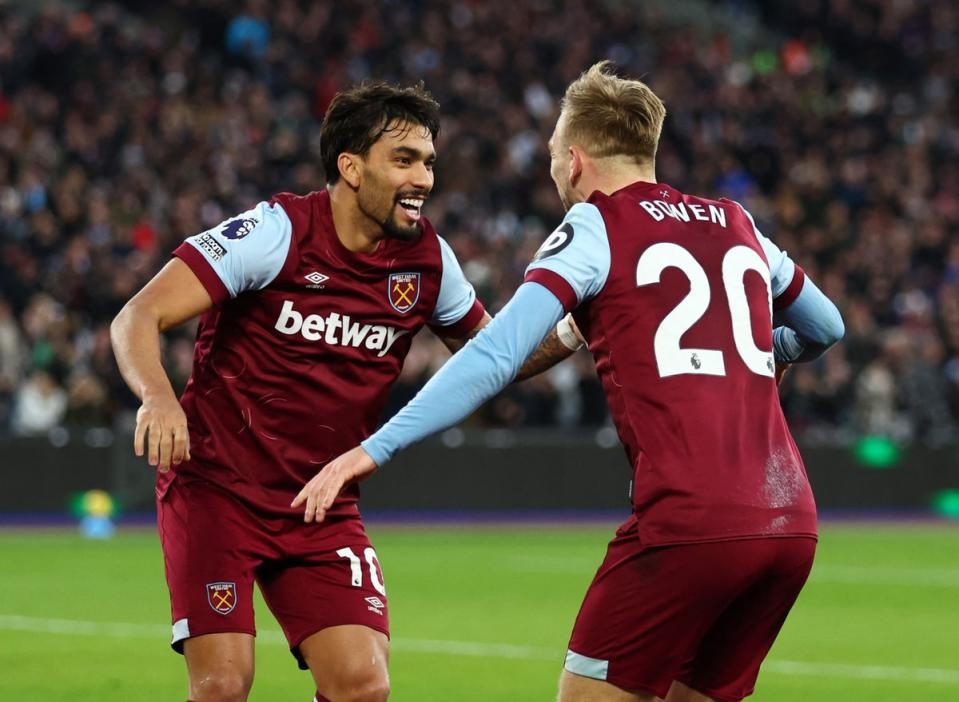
x,y
238,228
404,291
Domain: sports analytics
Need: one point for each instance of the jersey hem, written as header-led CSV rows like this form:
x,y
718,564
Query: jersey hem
x,y
344,507
719,539
203,271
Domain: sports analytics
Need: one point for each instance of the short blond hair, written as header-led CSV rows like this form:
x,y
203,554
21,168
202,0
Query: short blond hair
x,y
611,116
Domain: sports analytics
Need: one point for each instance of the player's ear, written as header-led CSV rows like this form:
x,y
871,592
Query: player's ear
x,y
575,164
350,168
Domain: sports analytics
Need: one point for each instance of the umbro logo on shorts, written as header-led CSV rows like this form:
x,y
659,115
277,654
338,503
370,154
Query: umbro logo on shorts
x,y
221,596
376,605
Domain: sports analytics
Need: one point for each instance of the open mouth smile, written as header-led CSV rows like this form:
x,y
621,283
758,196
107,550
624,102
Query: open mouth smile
x,y
412,207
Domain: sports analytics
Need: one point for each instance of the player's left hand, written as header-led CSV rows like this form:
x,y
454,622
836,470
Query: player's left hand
x,y
319,493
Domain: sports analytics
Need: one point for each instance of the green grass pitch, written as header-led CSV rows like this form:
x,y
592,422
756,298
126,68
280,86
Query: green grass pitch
x,y
478,613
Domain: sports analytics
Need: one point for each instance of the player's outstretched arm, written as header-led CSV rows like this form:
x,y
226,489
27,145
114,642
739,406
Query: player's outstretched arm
x,y
561,343
173,296
483,368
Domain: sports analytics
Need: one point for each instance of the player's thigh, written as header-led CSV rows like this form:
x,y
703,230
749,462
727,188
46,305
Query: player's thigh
x,y
348,662
576,688
638,624
340,584
220,666
679,692
647,610
209,541
731,652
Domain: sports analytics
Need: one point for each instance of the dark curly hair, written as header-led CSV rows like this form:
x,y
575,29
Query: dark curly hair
x,y
359,116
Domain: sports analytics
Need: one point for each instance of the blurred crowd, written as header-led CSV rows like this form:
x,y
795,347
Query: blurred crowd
x,y
125,127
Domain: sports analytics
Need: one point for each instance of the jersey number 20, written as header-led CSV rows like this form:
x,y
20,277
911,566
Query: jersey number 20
x,y
671,358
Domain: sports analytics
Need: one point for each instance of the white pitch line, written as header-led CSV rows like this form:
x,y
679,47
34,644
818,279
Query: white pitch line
x,y
478,649
864,575
126,630
863,672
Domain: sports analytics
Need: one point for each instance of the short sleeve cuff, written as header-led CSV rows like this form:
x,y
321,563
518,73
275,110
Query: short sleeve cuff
x,y
203,271
463,327
556,284
791,292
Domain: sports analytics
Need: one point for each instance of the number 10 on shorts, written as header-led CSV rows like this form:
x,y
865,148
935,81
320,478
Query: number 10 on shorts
x,y
356,568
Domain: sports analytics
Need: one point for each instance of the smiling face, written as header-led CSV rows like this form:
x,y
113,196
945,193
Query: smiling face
x,y
397,177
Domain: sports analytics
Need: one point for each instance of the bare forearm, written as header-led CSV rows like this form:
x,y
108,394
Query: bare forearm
x,y
136,343
547,355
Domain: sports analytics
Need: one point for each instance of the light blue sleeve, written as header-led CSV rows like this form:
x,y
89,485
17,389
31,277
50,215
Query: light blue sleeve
x,y
781,267
248,251
456,296
578,251
474,374
812,325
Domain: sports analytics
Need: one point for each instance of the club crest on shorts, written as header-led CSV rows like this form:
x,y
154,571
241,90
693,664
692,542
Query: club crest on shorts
x,y
221,596
403,291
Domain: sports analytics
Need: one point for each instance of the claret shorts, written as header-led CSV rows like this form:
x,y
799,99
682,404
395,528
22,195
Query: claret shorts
x,y
312,576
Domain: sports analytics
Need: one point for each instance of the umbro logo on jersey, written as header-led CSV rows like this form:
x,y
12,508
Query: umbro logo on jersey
x,y
317,279
337,329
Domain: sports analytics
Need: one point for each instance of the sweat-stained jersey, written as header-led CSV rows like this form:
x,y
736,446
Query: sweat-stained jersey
x,y
294,362
674,295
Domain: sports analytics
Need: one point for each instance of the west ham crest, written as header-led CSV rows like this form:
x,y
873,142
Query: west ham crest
x,y
404,291
221,596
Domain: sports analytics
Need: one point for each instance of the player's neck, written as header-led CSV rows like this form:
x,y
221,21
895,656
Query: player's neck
x,y
608,182
357,232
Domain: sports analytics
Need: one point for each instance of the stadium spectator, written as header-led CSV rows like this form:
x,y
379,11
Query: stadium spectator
x,y
124,129
11,358
39,405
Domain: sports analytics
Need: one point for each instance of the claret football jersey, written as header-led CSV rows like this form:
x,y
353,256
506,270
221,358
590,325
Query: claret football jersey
x,y
293,363
675,296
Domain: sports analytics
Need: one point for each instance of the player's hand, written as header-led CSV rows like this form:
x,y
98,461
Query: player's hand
x,y
161,424
319,493
781,369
